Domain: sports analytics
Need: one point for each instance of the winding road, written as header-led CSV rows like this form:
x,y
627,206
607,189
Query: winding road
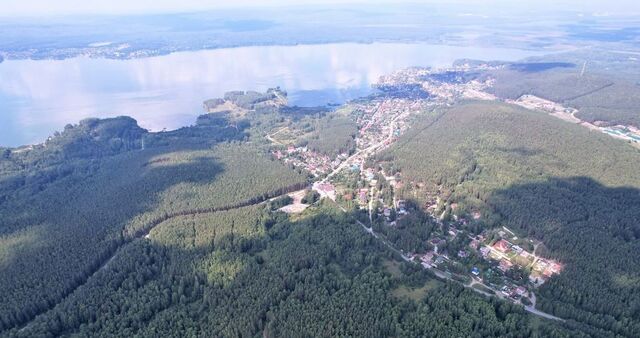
x,y
144,233
438,273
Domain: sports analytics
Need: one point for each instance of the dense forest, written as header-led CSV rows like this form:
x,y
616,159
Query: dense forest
x,y
332,135
250,272
598,97
574,189
110,230
66,211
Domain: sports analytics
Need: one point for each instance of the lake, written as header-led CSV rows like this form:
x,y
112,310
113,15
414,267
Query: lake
x,y
40,97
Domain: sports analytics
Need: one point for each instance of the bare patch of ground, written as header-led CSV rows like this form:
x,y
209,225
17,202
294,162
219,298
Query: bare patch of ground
x,y
297,206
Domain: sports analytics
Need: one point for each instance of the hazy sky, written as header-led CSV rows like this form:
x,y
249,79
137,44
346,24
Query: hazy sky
x,y
63,7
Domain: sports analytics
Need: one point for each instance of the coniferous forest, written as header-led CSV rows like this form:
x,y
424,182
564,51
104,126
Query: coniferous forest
x,y
110,230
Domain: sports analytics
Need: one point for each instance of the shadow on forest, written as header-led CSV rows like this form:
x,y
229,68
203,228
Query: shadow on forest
x,y
593,229
521,151
558,204
227,270
62,223
534,67
83,215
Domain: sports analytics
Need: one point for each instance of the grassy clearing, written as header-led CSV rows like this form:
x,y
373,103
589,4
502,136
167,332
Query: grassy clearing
x,y
482,288
415,294
393,267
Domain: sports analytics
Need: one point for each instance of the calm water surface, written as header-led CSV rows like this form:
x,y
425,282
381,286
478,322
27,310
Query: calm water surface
x,y
40,97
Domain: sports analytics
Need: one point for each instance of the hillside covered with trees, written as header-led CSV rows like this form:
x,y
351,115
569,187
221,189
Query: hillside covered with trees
x,y
67,206
110,230
249,272
576,190
600,94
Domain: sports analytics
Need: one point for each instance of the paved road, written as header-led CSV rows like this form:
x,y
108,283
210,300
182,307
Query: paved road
x,y
444,275
439,273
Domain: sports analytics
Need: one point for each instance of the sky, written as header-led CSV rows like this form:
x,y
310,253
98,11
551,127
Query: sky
x,y
20,8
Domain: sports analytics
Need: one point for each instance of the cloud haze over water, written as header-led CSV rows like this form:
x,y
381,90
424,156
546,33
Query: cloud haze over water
x,y
39,97
65,7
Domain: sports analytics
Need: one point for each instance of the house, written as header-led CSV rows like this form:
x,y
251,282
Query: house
x,y
541,265
502,246
427,258
291,149
505,265
520,291
485,251
325,189
537,280
463,254
401,204
387,212
555,267
474,244
475,271
362,196
517,248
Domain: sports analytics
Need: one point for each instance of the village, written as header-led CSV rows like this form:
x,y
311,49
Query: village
x,y
380,122
494,261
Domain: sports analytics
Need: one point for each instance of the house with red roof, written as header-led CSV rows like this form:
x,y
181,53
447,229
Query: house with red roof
x,y
502,246
505,265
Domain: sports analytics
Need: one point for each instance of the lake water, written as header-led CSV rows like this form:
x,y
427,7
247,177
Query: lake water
x,y
40,97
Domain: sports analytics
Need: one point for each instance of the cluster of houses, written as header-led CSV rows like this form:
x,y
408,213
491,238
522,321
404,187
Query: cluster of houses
x,y
368,180
302,157
432,259
514,291
508,255
382,121
443,85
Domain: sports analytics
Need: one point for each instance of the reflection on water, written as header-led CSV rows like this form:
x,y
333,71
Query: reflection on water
x,y
39,97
